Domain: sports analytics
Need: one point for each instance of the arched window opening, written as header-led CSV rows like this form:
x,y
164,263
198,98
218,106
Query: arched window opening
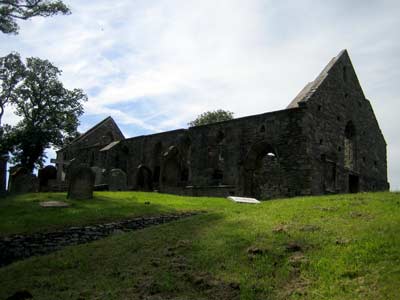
x,y
345,74
156,175
217,176
220,137
262,128
185,175
349,146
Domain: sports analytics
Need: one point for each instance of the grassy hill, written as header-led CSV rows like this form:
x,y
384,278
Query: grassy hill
x,y
332,247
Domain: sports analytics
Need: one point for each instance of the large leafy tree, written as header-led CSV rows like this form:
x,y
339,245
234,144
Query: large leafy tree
x,y
11,73
212,117
49,112
13,10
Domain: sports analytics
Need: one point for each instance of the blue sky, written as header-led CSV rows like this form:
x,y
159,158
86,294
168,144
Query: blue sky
x,y
155,65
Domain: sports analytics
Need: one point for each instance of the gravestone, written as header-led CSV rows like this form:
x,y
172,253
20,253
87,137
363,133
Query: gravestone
x,y
3,172
81,183
117,180
22,181
243,200
50,204
72,164
45,175
99,175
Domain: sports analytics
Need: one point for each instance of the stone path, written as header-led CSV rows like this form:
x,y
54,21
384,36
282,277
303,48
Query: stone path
x,y
18,247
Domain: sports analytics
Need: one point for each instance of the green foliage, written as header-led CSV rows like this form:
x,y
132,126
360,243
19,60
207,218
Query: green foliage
x,y
49,112
12,10
211,117
11,73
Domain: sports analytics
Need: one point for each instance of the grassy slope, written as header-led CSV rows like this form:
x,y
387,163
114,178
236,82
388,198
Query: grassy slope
x,y
348,248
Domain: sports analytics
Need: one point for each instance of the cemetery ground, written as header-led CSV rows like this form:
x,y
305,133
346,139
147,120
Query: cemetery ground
x,y
328,247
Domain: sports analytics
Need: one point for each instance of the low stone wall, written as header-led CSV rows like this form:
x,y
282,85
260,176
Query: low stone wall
x,y
17,247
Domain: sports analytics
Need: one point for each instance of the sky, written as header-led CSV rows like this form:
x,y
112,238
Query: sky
x,y
155,65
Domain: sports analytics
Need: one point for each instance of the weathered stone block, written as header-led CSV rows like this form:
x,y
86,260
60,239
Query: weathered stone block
x,y
22,181
81,183
117,180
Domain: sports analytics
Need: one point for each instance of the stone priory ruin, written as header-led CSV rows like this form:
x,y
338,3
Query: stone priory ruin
x,y
326,141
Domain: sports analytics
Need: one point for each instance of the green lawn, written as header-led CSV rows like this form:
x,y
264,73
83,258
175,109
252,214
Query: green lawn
x,y
333,247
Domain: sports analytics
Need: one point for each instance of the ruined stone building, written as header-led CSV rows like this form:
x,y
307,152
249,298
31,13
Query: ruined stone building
x,y
326,141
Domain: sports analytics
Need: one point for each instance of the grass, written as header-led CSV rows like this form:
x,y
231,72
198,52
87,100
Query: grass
x,y
332,247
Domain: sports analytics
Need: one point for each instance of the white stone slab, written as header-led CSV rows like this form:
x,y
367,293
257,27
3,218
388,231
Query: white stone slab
x,y
53,204
244,200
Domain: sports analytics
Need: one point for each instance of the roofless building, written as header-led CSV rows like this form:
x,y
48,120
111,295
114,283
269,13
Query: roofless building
x,y
326,141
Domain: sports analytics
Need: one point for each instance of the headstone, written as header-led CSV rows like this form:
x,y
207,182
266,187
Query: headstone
x,y
72,164
81,183
3,172
244,200
117,180
48,204
99,175
22,181
45,175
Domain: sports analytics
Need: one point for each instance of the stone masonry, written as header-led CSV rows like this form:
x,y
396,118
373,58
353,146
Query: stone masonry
x,y
326,141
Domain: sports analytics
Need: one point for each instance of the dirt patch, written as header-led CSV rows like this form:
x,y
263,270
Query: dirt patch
x,y
351,274
214,288
296,285
281,228
342,241
310,228
325,208
297,259
293,247
360,215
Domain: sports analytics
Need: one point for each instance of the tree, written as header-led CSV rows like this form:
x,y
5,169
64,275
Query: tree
x,y
49,112
11,73
12,10
212,117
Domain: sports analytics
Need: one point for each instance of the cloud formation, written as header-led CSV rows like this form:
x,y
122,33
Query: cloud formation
x,y
156,65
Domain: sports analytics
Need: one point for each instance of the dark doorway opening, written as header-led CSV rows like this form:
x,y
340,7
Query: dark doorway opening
x,y
156,175
144,179
353,184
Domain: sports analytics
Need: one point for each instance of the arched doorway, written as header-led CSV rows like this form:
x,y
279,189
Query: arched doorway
x,y
171,171
262,172
350,156
156,162
144,178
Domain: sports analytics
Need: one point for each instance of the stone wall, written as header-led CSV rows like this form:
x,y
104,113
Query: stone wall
x,y
17,247
345,142
87,147
326,141
219,159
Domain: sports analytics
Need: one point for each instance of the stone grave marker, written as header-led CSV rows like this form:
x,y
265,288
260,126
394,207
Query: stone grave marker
x,y
22,181
45,175
99,175
81,183
117,180
49,204
244,200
